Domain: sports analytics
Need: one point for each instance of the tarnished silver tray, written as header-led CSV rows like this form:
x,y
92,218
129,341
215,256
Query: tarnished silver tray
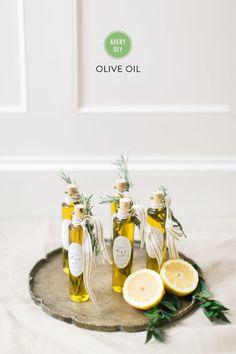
x,y
48,287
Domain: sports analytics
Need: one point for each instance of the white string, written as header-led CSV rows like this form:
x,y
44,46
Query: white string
x,y
172,231
141,215
157,205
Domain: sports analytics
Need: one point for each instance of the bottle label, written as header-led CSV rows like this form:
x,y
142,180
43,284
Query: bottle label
x,y
65,233
121,251
75,258
160,240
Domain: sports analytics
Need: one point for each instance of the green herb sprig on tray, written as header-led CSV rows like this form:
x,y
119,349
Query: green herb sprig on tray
x,y
163,313
213,309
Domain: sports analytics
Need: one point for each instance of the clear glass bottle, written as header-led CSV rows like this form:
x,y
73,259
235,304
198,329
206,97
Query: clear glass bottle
x,y
71,199
77,289
122,245
156,218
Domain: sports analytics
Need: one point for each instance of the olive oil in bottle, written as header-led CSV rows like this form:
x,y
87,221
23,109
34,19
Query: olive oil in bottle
x,y
122,244
121,188
71,198
77,289
156,218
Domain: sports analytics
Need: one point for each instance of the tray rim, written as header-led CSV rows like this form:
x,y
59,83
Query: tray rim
x,y
193,305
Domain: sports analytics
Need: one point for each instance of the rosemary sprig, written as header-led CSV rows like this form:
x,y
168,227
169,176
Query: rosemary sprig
x,y
161,315
87,202
67,178
109,199
176,221
122,164
163,190
213,309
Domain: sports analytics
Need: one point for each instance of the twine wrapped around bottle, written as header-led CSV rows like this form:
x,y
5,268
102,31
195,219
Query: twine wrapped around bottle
x,y
173,232
87,249
138,212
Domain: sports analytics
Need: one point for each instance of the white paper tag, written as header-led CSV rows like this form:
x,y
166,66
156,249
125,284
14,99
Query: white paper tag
x,y
121,251
75,258
159,238
65,233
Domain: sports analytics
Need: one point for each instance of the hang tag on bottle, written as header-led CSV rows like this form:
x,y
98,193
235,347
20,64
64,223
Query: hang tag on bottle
x,y
75,258
159,238
121,251
65,233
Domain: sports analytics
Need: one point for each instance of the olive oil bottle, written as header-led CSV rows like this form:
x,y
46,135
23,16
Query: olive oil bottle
x,y
122,244
156,218
71,199
77,289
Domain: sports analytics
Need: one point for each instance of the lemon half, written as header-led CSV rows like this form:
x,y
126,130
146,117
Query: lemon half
x,y
179,277
143,289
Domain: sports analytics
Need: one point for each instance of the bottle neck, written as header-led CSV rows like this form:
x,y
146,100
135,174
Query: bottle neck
x,y
122,215
71,199
155,205
76,220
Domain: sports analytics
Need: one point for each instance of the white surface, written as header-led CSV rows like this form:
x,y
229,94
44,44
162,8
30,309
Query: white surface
x,y
26,329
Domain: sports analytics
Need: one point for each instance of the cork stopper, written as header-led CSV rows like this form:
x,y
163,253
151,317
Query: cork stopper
x,y
72,189
121,185
158,196
125,204
79,210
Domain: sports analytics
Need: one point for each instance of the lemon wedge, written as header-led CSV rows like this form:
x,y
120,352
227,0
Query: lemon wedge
x,y
143,289
179,277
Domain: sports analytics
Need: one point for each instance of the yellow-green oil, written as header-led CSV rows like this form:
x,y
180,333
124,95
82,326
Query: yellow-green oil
x,y
156,218
77,290
67,211
114,208
123,228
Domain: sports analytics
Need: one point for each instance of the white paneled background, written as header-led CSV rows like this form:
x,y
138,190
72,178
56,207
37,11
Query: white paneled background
x,y
176,117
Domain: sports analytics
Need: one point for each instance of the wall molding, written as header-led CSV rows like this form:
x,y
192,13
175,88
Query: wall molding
x,y
170,108
22,107
101,164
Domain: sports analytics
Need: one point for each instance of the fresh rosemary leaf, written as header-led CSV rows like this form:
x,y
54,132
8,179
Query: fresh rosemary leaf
x,y
148,336
169,305
67,179
213,309
122,164
109,199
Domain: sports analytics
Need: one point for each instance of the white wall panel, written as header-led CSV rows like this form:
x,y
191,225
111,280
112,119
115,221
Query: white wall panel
x,y
182,48
12,58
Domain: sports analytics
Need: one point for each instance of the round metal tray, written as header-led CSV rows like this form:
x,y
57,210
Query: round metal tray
x,y
48,287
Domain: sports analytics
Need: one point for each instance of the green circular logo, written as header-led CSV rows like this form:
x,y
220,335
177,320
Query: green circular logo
x,y
118,44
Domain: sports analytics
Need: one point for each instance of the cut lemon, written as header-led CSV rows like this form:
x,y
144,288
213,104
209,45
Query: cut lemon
x,y
143,289
179,277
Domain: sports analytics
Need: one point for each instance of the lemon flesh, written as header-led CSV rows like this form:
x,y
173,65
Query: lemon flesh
x,y
143,289
179,277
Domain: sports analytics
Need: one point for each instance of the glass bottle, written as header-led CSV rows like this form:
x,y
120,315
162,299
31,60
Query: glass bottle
x,y
77,289
71,199
156,218
122,244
